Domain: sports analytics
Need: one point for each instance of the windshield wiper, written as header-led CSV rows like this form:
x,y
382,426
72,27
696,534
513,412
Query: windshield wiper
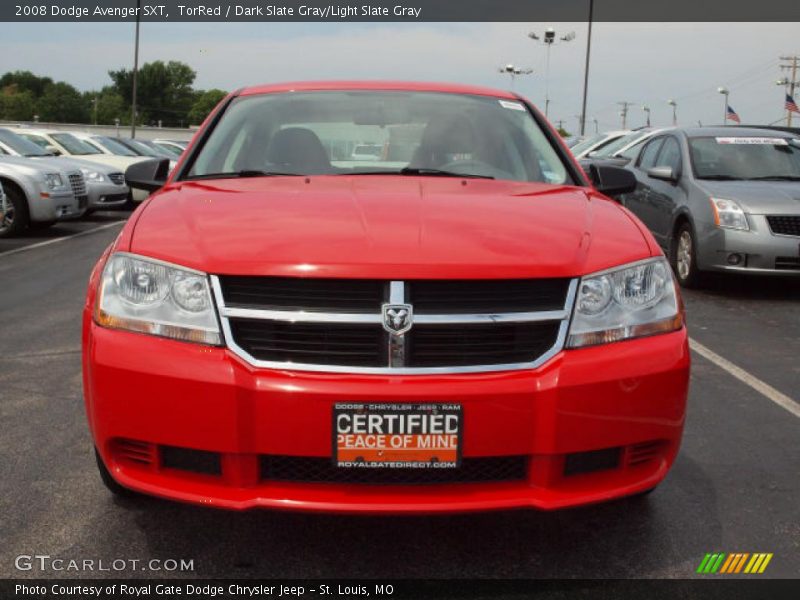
x,y
775,178
722,178
422,171
241,174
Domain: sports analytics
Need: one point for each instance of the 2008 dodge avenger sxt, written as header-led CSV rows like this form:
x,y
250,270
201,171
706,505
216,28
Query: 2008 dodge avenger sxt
x,y
383,297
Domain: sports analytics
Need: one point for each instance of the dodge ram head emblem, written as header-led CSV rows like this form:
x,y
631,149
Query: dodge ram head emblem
x,y
397,318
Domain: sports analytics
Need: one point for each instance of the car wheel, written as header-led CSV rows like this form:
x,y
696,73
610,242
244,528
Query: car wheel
x,y
684,258
14,217
110,482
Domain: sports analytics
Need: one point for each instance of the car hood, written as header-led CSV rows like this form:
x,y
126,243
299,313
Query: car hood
x,y
386,227
118,163
30,166
758,197
76,163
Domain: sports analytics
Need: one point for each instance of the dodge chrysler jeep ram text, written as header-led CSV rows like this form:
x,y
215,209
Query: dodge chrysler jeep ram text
x,y
457,320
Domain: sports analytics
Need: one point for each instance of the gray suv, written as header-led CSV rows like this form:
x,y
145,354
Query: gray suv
x,y
721,199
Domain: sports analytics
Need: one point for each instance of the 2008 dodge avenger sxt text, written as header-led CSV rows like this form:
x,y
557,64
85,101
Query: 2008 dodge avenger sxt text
x,y
456,320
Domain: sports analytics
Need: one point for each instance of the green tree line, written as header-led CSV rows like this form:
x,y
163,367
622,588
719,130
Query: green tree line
x,y
164,90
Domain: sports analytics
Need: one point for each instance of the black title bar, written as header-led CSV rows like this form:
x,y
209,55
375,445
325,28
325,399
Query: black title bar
x,y
399,10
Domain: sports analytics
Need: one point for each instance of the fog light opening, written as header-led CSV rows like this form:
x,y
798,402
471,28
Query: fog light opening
x,y
735,259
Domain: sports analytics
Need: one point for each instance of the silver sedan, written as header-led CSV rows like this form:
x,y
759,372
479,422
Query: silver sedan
x,y
721,199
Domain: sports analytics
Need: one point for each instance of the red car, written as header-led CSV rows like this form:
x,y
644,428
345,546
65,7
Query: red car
x,y
459,322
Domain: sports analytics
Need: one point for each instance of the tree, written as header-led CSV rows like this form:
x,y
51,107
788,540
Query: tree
x,y
206,102
62,103
25,80
16,105
164,91
563,132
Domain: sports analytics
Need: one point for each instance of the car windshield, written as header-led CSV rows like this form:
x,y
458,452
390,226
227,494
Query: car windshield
x,y
619,144
168,149
73,144
584,145
114,146
745,157
379,133
20,145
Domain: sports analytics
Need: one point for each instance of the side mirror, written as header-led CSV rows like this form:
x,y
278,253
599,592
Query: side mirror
x,y
612,181
148,175
663,173
53,150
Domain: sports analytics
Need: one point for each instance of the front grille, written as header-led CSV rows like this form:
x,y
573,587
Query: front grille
x,y
339,325
784,224
501,343
303,469
340,295
117,178
311,343
487,296
77,183
787,263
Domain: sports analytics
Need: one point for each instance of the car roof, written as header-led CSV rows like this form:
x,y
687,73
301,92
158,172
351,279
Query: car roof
x,y
415,86
733,132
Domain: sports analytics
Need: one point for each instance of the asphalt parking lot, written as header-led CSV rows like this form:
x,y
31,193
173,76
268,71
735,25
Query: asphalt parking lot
x,y
734,487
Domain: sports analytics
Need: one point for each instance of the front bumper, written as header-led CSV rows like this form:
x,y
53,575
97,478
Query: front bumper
x,y
757,251
54,206
106,195
145,395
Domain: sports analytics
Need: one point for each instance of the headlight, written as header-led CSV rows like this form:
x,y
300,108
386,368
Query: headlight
x,y
728,214
631,301
148,296
53,180
93,175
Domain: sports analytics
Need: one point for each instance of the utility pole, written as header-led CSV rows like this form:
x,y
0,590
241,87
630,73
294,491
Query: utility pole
x,y
789,64
95,109
624,113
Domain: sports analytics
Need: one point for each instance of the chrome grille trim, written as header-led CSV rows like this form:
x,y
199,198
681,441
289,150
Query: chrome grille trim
x,y
77,183
397,345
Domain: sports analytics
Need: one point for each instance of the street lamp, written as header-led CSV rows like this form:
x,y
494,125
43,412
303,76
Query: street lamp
x,y
548,41
725,92
596,125
674,106
646,109
513,72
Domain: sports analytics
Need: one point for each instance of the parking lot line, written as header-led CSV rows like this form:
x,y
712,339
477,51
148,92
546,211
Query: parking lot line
x,y
763,388
61,239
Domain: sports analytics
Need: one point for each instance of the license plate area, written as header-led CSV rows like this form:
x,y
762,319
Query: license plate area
x,y
397,436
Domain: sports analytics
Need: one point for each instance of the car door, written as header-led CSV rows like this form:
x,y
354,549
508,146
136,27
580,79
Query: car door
x,y
638,201
666,196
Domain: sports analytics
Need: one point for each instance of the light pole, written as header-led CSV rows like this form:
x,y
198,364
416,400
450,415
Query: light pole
x,y
725,92
624,113
586,68
596,126
513,72
674,106
135,70
646,109
548,41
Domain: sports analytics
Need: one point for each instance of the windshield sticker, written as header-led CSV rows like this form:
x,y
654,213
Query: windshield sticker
x,y
511,105
764,141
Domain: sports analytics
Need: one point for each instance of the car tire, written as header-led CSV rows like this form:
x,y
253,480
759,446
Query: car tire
x,y
111,483
684,258
15,219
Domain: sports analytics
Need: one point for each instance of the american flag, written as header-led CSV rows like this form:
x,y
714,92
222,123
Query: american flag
x,y
791,105
732,116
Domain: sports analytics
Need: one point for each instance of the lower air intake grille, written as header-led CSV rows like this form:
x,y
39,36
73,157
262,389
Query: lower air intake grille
x,y
784,225
645,452
787,263
196,461
142,453
322,470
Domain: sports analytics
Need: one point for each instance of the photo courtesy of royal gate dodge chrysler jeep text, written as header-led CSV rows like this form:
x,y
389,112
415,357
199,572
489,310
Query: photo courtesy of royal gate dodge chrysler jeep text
x,y
457,320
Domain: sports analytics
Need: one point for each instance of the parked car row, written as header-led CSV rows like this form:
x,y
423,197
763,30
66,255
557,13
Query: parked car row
x,y
51,175
723,199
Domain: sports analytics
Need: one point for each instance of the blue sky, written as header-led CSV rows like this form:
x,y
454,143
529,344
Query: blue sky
x,y
643,63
